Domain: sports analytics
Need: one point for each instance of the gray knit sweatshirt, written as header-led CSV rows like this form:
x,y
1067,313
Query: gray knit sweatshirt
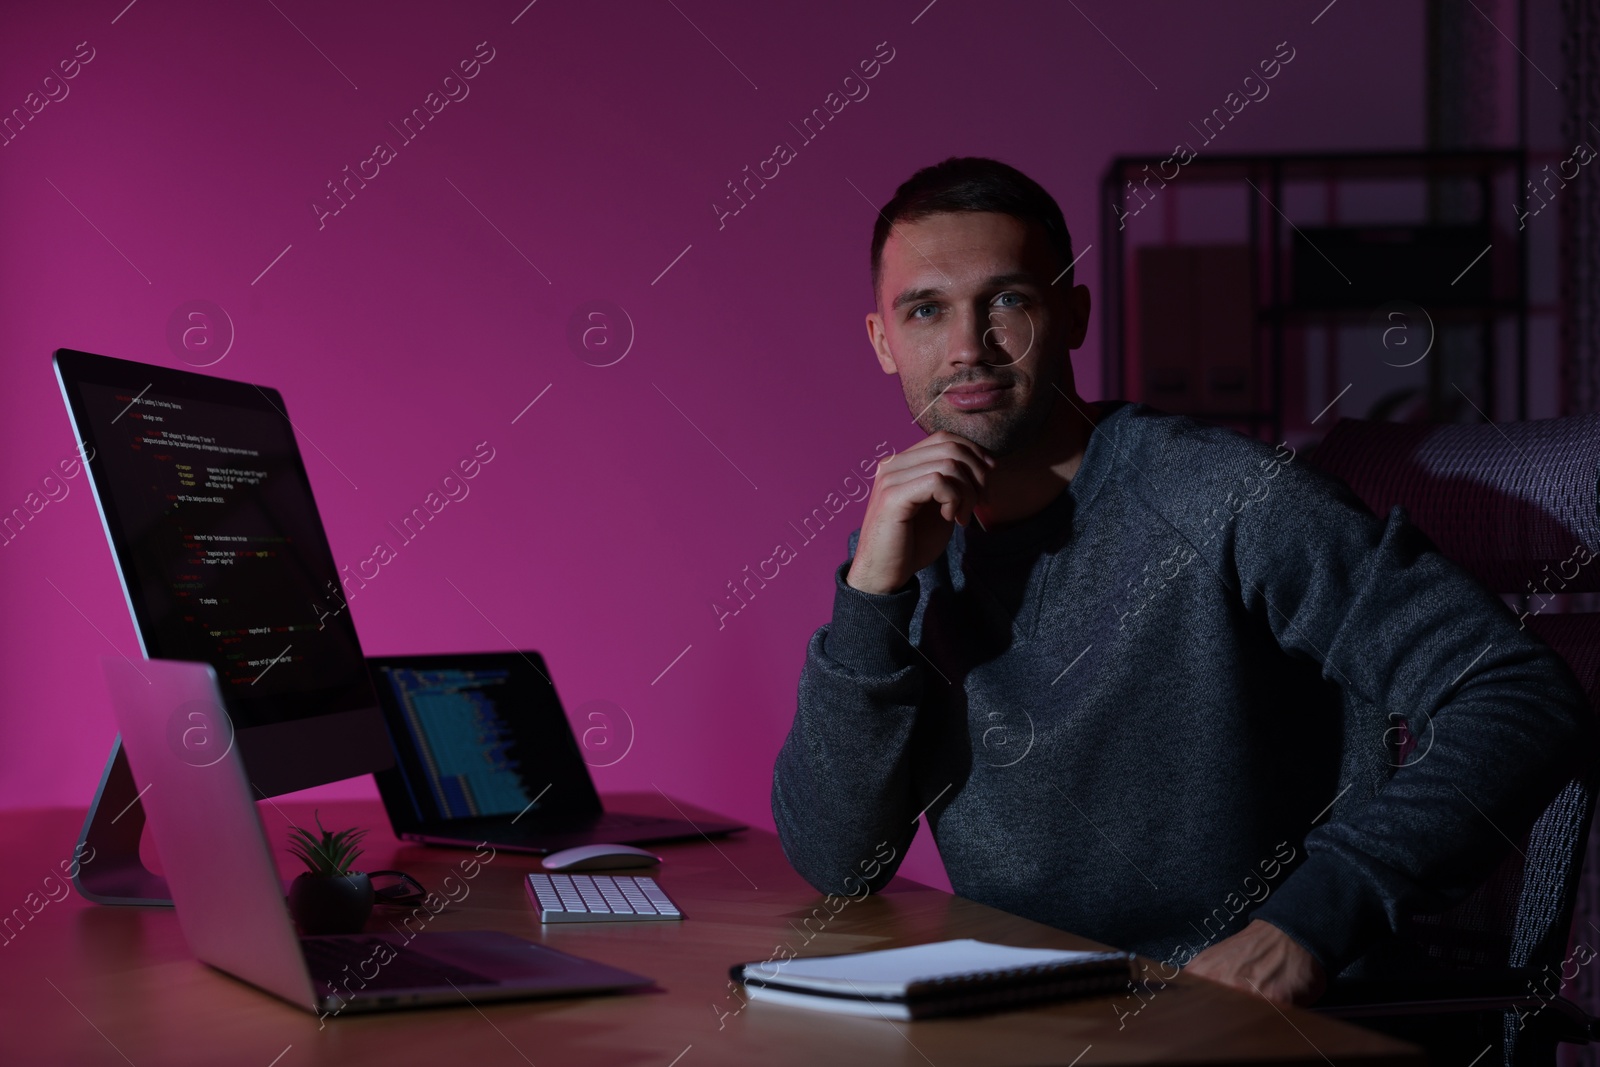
x,y
1169,703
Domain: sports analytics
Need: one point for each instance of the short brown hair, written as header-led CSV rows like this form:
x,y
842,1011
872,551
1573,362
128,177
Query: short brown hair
x,y
972,183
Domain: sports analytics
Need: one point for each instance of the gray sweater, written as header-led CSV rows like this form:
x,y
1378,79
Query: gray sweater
x,y
1170,703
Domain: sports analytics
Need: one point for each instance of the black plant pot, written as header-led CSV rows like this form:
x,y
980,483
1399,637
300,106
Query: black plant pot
x,y
324,904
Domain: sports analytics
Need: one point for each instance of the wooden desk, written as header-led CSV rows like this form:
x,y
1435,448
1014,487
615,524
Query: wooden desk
x,y
85,984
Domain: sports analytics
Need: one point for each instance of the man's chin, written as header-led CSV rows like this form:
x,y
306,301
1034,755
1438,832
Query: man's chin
x,y
997,433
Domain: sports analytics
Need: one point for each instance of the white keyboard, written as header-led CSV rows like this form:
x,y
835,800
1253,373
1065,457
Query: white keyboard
x,y
586,898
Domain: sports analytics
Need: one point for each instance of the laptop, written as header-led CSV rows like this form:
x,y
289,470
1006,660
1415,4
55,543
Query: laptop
x,y
230,903
484,752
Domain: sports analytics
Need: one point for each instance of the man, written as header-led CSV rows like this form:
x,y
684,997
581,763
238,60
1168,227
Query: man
x,y
1137,672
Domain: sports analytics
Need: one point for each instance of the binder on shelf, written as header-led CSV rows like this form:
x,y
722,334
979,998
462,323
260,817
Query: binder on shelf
x,y
942,978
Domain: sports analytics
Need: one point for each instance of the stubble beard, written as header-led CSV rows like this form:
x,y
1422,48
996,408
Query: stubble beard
x,y
999,433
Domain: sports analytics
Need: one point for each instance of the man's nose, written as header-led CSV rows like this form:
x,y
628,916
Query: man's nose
x,y
972,339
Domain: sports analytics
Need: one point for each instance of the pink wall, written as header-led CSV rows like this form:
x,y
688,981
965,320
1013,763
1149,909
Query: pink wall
x,y
585,159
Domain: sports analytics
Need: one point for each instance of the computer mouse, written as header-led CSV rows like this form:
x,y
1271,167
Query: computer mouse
x,y
599,858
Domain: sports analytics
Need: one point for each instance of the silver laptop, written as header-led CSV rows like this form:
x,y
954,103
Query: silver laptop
x,y
229,899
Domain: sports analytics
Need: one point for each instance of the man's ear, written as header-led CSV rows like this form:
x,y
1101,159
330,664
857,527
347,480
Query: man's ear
x,y
1078,307
880,342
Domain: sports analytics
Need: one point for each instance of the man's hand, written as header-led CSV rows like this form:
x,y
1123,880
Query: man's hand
x,y
1264,955
917,498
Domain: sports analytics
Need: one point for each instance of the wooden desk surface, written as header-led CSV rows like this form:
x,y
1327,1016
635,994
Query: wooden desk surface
x,y
85,984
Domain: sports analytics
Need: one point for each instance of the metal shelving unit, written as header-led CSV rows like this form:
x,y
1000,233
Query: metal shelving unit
x,y
1321,249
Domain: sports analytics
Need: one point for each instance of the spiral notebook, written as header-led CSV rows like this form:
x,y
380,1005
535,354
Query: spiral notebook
x,y
942,978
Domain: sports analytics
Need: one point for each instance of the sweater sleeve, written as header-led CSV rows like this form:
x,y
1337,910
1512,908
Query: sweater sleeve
x,y
1501,721
842,795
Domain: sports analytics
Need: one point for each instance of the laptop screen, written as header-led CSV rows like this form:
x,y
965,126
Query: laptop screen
x,y
480,736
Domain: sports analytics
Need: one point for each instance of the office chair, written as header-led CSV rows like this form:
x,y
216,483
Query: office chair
x,y
1517,505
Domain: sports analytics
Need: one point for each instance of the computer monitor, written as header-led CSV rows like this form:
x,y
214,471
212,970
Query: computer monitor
x,y
222,556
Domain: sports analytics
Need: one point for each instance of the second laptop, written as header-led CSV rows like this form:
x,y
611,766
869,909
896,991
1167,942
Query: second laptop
x,y
484,752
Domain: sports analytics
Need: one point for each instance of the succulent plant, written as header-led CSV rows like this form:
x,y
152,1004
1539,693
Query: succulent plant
x,y
330,855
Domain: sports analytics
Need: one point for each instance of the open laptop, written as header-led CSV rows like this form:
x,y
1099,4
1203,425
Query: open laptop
x,y
230,903
484,752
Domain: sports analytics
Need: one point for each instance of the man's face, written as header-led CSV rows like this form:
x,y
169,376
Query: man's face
x,y
969,320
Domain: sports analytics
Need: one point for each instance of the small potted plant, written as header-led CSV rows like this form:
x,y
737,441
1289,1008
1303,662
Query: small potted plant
x,y
329,898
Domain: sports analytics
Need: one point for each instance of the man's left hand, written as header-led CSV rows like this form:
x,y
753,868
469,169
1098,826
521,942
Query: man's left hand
x,y
1263,959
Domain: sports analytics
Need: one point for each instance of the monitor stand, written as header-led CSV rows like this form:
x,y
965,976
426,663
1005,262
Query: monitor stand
x,y
109,868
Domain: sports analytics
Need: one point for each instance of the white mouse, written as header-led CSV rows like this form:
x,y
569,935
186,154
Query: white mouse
x,y
599,857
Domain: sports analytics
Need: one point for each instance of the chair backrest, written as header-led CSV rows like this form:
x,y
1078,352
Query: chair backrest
x,y
1517,505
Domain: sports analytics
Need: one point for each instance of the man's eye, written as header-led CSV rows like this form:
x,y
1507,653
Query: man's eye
x,y
1018,297
919,308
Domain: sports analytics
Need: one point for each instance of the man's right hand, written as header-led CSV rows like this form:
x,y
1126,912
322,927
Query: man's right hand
x,y
917,498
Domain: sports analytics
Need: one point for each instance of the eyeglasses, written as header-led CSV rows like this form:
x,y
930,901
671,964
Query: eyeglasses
x,y
396,888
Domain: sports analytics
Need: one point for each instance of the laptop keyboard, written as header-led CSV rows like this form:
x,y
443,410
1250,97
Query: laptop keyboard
x,y
328,959
617,818
585,898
